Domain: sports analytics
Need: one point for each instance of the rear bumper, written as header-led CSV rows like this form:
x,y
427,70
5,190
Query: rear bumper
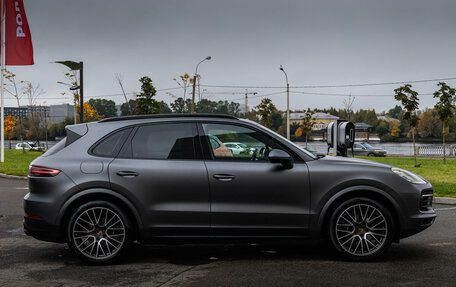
x,y
41,230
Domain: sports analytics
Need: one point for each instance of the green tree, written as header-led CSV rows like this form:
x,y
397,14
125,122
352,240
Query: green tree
x,y
128,109
395,112
105,108
180,106
277,120
409,100
445,108
145,102
265,110
164,108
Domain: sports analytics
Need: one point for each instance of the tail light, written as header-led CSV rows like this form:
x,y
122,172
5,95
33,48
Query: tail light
x,y
42,171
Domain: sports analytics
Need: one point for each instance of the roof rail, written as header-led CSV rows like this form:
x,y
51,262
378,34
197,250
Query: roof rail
x,y
159,116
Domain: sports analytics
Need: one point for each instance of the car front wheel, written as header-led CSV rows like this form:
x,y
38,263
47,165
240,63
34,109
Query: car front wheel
x,y
99,232
361,229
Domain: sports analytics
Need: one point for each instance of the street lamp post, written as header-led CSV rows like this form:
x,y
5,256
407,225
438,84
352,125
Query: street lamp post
x,y
194,83
288,102
75,66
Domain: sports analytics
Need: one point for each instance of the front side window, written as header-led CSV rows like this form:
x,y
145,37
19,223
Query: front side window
x,y
238,143
164,141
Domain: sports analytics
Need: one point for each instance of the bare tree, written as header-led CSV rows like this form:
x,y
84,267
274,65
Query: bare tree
x,y
348,103
119,79
11,77
32,93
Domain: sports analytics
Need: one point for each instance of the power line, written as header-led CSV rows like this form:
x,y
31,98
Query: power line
x,y
331,86
354,95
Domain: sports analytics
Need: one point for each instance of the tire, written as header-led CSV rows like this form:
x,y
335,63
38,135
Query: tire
x,y
361,229
99,232
371,154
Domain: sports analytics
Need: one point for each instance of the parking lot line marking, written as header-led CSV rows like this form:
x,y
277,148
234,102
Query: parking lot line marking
x,y
21,187
445,208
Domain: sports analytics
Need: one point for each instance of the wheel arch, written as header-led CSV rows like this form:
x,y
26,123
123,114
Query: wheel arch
x,y
359,191
101,194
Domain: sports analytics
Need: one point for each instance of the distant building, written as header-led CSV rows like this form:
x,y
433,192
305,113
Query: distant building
x,y
387,119
55,113
58,113
321,119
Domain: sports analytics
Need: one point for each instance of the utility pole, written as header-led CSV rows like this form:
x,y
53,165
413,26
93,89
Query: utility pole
x,y
288,102
81,92
247,101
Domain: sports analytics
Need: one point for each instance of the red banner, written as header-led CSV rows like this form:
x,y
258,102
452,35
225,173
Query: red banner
x,y
18,40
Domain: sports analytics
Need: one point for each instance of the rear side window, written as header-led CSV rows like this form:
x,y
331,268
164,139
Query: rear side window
x,y
164,141
111,145
57,147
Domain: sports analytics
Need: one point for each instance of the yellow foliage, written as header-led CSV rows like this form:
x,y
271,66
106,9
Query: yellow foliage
x,y
10,123
90,114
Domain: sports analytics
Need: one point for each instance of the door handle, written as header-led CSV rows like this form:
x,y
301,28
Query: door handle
x,y
127,173
223,177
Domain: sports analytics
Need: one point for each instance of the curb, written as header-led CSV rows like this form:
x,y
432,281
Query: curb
x,y
2,175
444,200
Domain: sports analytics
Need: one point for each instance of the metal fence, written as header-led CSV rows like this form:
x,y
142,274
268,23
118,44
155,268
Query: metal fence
x,y
436,150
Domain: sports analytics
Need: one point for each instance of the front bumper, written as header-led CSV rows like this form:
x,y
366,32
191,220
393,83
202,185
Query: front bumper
x,y
421,214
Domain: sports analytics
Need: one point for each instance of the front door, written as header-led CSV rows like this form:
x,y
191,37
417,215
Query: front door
x,y
249,195
158,168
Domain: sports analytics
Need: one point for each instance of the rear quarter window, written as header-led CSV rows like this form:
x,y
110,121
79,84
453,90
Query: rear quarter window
x,y
110,145
56,148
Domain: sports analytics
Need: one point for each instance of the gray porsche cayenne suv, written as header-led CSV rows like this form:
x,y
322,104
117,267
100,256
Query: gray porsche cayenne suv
x,y
170,178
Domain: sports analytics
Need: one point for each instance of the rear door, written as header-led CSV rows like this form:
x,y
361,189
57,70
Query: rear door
x,y
161,168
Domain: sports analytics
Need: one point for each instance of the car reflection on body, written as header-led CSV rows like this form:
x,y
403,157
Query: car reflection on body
x,y
365,149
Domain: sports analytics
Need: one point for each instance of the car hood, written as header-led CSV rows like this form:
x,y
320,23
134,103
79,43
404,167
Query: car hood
x,y
352,161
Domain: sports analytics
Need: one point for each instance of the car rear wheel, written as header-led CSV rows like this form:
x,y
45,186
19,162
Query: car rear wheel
x,y
99,232
371,154
361,229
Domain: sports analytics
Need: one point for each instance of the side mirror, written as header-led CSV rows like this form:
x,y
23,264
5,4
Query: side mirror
x,y
279,156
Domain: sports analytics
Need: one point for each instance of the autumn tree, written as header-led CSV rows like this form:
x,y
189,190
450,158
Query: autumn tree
x,y
307,124
445,109
9,123
265,110
145,102
409,100
90,113
184,81
429,125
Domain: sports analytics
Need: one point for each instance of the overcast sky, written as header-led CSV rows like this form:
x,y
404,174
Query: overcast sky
x,y
317,42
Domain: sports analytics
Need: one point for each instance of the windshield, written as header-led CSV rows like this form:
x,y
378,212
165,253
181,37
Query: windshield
x,y
285,139
366,145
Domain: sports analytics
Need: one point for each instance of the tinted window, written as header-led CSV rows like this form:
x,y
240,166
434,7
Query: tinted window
x,y
57,147
250,144
111,145
164,141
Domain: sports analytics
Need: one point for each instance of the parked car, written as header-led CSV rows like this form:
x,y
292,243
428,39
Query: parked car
x,y
365,149
238,148
159,179
27,145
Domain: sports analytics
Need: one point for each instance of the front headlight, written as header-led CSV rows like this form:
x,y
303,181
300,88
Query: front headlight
x,y
408,176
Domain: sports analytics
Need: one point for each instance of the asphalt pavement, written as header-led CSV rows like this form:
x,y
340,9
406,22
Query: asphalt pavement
x,y
426,259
